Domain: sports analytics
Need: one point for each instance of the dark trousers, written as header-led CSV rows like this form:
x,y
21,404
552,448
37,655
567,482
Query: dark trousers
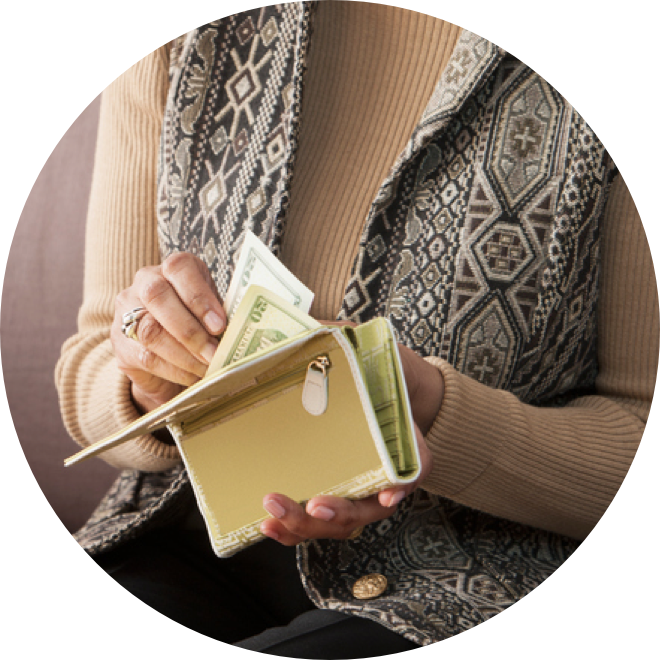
x,y
253,600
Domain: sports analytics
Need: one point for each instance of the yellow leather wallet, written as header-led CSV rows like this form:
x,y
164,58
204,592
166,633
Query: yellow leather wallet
x,y
325,412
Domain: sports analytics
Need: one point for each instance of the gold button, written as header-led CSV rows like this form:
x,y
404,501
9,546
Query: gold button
x,y
370,586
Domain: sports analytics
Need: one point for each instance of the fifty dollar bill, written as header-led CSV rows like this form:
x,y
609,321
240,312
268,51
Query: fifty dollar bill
x,y
261,319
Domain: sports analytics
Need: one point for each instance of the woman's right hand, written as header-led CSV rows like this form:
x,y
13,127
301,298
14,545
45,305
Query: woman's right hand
x,y
176,338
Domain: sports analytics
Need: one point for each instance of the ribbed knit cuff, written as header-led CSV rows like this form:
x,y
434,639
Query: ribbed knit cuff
x,y
110,410
467,433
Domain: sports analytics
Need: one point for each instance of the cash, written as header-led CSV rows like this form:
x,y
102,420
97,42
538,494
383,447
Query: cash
x,y
261,319
258,265
265,303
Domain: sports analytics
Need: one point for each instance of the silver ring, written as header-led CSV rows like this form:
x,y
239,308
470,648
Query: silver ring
x,y
130,321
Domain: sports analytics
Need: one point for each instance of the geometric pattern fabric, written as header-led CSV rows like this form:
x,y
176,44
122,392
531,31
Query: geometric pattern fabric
x,y
481,247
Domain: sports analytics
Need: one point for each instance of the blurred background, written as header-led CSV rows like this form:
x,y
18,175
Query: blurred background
x,y
41,295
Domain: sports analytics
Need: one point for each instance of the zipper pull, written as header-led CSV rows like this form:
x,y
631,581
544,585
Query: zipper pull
x,y
315,389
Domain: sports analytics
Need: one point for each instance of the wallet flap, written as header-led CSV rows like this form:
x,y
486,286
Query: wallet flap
x,y
224,383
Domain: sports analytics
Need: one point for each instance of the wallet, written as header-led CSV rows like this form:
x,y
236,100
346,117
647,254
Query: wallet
x,y
324,412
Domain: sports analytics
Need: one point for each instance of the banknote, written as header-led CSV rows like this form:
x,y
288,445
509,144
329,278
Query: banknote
x,y
258,265
261,319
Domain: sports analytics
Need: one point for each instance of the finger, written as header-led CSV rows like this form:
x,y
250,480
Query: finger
x,y
282,526
390,497
152,336
142,365
280,507
274,529
157,393
336,519
192,281
159,297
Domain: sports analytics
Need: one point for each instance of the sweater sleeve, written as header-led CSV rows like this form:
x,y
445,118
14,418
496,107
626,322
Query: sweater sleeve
x,y
559,468
120,239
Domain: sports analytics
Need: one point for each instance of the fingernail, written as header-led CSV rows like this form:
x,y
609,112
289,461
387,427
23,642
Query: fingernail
x,y
274,508
322,513
397,497
214,322
208,352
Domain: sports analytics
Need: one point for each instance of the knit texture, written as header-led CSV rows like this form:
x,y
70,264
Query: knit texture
x,y
370,76
491,451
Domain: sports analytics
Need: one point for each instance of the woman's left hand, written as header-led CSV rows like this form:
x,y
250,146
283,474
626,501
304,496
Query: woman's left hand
x,y
330,517
327,517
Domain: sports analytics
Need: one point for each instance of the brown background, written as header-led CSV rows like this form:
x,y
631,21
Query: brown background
x,y
41,295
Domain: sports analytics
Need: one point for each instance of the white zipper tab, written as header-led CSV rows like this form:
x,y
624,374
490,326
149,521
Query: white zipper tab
x,y
315,389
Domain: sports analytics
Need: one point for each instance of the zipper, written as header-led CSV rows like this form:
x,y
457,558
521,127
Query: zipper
x,y
315,389
261,392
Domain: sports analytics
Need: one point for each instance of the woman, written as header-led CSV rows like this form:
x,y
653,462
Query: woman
x,y
497,240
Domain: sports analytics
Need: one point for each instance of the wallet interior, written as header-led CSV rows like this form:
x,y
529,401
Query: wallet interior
x,y
237,458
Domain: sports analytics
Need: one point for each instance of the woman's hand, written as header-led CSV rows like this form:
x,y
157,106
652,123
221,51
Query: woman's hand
x,y
423,381
337,518
426,388
176,339
334,517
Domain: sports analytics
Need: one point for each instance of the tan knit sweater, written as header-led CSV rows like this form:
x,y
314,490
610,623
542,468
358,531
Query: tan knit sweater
x,y
553,468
